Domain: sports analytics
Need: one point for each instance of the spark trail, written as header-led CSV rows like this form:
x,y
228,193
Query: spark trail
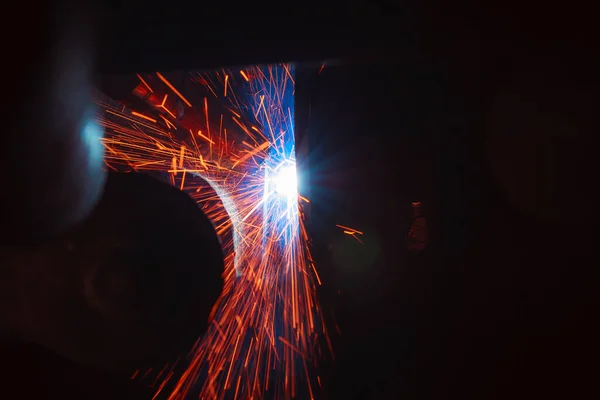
x,y
234,131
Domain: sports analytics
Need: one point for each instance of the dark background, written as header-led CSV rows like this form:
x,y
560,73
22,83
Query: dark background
x,y
501,303
495,307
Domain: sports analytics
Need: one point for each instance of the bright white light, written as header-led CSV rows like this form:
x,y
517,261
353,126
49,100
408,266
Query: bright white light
x,y
286,181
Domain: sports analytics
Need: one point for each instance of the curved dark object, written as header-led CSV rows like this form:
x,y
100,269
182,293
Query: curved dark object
x,y
131,287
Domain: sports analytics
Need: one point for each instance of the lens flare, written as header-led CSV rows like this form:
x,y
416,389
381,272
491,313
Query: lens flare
x,y
285,181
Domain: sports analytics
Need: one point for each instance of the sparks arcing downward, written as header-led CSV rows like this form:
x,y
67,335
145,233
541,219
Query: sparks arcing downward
x,y
234,129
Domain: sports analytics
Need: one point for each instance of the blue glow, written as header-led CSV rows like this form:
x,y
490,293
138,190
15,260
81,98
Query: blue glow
x,y
91,134
280,202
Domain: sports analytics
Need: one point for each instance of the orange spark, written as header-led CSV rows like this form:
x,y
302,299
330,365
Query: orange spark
x,y
349,230
166,82
267,326
137,114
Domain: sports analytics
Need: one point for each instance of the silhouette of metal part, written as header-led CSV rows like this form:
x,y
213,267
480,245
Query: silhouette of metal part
x,y
132,286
